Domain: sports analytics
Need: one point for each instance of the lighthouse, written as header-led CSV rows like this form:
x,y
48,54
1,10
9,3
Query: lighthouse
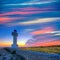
x,y
15,35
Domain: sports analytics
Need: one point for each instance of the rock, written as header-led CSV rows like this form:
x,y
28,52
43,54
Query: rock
x,y
18,54
9,54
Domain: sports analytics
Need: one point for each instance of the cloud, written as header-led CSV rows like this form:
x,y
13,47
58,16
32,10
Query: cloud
x,y
44,41
42,20
42,31
44,37
37,21
21,13
57,42
8,19
27,11
35,9
56,33
29,3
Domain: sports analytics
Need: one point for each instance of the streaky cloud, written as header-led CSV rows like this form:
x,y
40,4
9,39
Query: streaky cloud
x,y
54,32
47,43
35,9
42,31
29,3
21,13
42,20
9,19
57,34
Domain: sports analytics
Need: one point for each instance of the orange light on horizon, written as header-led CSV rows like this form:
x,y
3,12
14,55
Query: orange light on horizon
x,y
5,44
52,43
22,44
8,44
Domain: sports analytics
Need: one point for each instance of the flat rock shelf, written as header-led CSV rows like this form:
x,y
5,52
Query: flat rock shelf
x,y
18,54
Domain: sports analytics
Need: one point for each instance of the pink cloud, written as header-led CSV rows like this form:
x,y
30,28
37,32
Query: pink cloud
x,y
27,11
8,19
21,13
42,31
46,43
34,9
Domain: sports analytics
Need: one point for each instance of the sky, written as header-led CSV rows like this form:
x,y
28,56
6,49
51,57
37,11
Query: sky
x,y
36,21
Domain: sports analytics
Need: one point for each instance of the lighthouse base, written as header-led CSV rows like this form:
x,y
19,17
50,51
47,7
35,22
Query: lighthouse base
x,y
14,46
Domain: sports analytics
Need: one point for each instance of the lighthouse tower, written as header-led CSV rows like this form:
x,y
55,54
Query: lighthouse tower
x,y
15,35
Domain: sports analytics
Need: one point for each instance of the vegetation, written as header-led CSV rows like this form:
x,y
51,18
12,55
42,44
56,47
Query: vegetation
x,y
51,49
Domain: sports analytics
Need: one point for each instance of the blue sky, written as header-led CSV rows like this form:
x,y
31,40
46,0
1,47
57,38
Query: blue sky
x,y
30,18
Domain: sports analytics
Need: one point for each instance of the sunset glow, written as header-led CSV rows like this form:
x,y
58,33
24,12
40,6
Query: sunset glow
x,y
37,22
52,43
7,44
43,31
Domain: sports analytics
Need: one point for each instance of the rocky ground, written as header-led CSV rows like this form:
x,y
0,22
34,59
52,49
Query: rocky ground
x,y
18,54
